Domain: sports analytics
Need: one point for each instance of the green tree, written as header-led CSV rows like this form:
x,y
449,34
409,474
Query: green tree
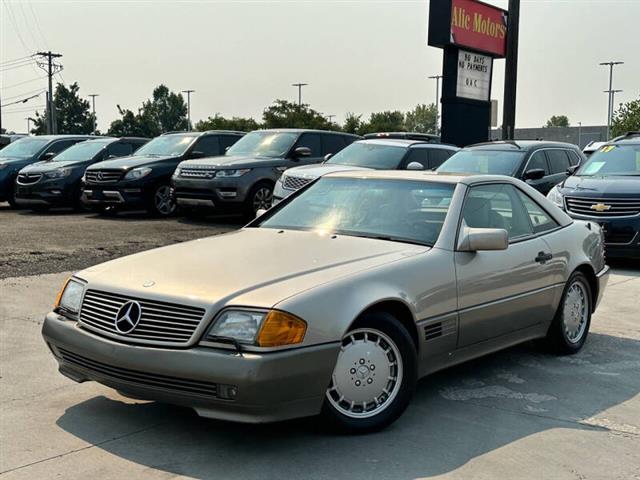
x,y
626,118
218,122
72,113
166,111
386,121
352,123
421,119
284,114
558,121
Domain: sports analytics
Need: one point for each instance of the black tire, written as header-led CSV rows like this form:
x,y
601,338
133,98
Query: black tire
x,y
558,338
388,325
105,211
255,198
162,202
11,197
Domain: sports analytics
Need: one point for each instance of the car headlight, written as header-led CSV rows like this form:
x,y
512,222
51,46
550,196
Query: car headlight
x,y
58,173
137,173
556,197
282,178
263,328
70,296
3,165
232,173
176,172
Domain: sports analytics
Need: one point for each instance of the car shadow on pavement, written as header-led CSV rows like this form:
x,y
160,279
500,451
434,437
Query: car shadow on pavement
x,y
456,415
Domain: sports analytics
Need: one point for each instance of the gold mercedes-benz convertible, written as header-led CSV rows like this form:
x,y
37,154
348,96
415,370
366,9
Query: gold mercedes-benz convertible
x,y
337,300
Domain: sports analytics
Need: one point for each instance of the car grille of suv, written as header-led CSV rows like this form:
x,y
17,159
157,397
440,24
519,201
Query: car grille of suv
x,y
165,382
29,178
295,183
603,207
197,172
102,176
160,322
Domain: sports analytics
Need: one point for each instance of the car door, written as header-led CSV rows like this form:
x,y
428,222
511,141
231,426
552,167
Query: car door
x,y
559,162
538,161
505,291
313,142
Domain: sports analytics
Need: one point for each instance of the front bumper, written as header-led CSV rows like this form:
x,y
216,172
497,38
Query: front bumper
x,y
621,234
280,193
268,386
114,195
212,193
47,193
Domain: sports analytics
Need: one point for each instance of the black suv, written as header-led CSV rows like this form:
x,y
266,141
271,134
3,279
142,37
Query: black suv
x,y
244,178
142,180
25,151
606,190
57,181
541,164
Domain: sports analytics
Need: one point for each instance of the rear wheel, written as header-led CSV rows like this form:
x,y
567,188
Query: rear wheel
x,y
162,203
568,332
374,377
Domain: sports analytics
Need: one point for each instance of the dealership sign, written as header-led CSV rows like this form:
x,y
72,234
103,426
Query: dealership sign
x,y
469,24
474,75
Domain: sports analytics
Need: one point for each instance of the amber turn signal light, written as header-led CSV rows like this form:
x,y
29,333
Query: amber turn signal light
x,y
59,297
280,328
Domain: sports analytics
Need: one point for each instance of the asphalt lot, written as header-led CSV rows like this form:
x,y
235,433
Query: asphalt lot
x,y
520,413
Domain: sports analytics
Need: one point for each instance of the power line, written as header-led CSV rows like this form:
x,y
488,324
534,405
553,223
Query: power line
x,y
35,17
17,65
15,60
22,100
22,110
39,90
6,87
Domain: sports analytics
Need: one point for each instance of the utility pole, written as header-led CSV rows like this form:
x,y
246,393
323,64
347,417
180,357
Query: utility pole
x,y
330,118
437,78
188,92
611,93
580,135
51,69
511,72
299,85
93,110
28,119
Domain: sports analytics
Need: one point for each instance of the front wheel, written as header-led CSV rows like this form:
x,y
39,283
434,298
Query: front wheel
x,y
259,198
570,327
374,377
162,202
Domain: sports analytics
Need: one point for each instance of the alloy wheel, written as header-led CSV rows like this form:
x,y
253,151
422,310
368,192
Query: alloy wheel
x,y
575,312
163,200
262,198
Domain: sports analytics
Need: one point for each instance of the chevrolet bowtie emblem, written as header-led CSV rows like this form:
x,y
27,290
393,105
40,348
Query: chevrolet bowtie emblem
x,y
600,207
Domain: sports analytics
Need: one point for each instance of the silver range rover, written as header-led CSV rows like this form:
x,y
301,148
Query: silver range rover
x,y
337,300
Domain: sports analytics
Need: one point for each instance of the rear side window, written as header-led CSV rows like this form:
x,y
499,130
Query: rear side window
x,y
574,158
437,156
311,141
538,161
208,145
558,161
333,143
420,155
119,149
57,147
540,220
227,140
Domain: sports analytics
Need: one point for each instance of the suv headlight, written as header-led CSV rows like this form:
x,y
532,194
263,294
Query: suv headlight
x,y
137,173
263,328
58,173
70,296
556,197
232,173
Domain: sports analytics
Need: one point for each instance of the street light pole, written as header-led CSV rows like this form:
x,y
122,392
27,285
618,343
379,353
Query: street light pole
x,y
299,85
437,78
611,93
93,110
188,92
28,119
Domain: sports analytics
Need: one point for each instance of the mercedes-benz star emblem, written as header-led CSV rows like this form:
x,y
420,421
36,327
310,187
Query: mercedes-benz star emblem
x,y
99,175
128,317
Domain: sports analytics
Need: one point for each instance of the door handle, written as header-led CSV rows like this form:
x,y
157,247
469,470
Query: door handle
x,y
543,257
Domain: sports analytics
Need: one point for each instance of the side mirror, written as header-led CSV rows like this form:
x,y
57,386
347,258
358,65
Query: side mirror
x,y
260,212
111,157
475,239
415,166
47,156
328,156
534,174
302,152
197,154
572,169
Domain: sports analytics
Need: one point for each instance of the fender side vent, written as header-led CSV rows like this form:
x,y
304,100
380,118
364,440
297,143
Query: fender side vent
x,y
439,329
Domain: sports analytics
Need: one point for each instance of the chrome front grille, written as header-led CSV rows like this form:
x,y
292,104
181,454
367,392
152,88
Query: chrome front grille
x,y
145,379
295,183
102,176
29,178
160,322
197,172
603,207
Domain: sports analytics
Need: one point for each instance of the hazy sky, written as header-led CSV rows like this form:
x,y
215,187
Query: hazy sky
x,y
357,56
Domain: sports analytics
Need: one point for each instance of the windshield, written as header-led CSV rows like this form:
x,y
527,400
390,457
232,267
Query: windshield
x,y
612,160
25,147
370,155
396,210
494,162
80,151
169,145
264,144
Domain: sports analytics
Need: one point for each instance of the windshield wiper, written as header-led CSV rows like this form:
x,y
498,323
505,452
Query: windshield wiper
x,y
388,238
